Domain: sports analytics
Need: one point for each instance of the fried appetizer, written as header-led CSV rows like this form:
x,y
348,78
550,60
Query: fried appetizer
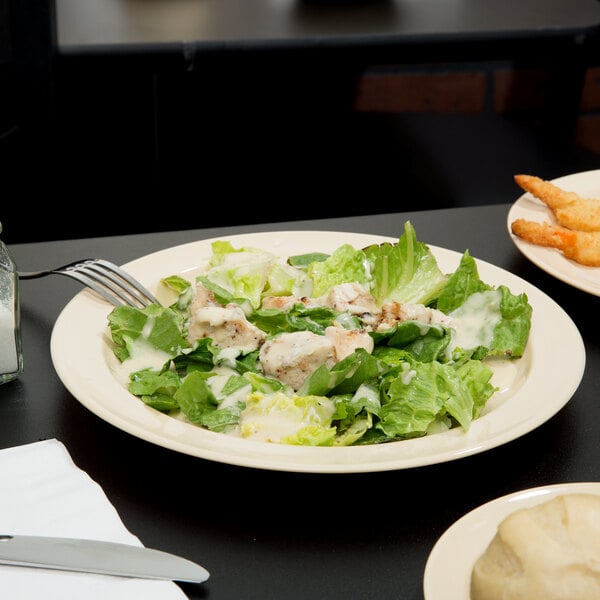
x,y
570,209
581,246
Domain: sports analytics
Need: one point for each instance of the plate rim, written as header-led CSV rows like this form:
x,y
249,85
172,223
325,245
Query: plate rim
x,y
482,522
167,431
544,258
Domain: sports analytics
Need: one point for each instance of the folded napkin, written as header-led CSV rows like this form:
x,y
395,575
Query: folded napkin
x,y
42,492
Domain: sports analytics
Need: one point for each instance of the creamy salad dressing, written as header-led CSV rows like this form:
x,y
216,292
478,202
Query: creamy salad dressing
x,y
475,320
217,382
407,374
259,422
148,326
227,356
508,377
142,355
261,427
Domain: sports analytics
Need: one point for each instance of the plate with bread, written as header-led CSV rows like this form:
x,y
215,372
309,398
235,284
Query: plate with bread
x,y
538,543
556,225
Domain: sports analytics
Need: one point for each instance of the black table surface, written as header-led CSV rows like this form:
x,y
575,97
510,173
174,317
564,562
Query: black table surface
x,y
189,27
269,534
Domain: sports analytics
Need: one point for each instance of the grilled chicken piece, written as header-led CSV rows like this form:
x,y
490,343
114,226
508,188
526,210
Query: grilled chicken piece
x,y
203,297
352,298
227,326
286,302
396,312
292,357
346,341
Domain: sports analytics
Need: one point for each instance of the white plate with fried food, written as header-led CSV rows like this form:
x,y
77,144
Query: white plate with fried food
x,y
449,568
556,225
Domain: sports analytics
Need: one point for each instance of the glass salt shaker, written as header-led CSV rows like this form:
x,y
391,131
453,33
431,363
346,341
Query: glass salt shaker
x,y
11,356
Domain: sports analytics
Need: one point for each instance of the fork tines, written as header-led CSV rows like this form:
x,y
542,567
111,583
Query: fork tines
x,y
111,282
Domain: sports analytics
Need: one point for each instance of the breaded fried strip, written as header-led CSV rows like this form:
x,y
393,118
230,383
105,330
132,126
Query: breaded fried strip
x,y
570,209
581,246
546,191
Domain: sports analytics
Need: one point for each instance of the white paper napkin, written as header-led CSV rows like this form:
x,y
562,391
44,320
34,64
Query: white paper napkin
x,y
42,492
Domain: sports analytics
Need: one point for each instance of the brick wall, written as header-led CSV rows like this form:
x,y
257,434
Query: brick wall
x,y
474,89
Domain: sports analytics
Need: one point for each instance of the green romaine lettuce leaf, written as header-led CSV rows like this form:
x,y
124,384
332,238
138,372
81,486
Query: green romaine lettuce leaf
x,y
301,420
249,273
158,326
405,272
346,264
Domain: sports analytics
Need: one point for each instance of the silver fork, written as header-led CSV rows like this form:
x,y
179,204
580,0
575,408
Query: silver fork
x,y
105,278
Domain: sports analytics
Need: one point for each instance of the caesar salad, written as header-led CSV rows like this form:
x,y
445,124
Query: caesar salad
x,y
357,346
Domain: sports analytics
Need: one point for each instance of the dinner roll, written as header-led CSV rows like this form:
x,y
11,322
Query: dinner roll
x,y
550,551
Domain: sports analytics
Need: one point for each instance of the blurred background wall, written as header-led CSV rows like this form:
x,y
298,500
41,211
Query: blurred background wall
x,y
94,146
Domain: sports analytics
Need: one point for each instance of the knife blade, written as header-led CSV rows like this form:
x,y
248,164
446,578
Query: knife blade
x,y
94,556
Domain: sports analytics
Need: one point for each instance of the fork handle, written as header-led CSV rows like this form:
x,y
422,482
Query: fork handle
x,y
33,274
38,274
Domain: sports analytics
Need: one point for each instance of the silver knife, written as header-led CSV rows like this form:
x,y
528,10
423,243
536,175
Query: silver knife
x,y
93,556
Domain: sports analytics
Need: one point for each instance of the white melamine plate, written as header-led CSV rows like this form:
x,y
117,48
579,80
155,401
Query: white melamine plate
x,y
448,570
551,260
532,389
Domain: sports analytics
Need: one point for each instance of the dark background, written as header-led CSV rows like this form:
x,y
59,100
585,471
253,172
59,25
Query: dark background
x,y
126,143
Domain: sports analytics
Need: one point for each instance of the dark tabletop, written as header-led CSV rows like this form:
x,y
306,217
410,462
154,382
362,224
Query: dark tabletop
x,y
283,23
267,534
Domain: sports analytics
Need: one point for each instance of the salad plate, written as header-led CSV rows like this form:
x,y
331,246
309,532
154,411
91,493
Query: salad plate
x,y
530,390
447,574
551,260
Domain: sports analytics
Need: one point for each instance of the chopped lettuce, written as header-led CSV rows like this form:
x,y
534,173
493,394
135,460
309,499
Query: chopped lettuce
x,y
405,272
301,420
420,377
466,297
157,326
345,264
250,272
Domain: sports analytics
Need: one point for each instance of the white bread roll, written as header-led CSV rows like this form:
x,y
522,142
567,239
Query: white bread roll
x,y
547,552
